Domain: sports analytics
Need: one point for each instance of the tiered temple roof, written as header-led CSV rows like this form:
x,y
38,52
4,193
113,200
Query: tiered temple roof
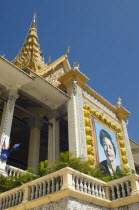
x,y
30,55
30,58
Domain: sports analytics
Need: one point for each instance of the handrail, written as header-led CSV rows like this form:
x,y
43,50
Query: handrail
x,y
70,179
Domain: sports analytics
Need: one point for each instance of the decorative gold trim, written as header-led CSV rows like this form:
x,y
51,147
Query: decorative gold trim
x,y
123,112
100,108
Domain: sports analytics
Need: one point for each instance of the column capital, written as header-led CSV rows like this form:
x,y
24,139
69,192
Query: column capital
x,y
53,114
11,95
73,75
122,113
35,123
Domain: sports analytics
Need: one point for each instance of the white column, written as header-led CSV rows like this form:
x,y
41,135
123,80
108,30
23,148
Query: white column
x,y
76,130
34,144
73,126
53,140
128,147
6,125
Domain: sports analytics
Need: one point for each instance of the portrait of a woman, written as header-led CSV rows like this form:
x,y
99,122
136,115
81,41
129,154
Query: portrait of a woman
x,y
109,164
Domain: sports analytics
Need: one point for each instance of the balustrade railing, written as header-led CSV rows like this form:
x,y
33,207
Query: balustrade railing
x,y
13,171
45,187
89,185
71,180
123,187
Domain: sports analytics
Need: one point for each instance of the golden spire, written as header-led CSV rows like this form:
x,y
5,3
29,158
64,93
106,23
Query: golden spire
x,y
30,55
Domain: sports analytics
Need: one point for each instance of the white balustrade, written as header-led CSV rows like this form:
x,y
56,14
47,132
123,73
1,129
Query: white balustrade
x,y
73,180
11,200
81,183
124,187
13,171
121,190
45,187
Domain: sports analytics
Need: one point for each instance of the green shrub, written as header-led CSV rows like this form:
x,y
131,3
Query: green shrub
x,y
8,183
47,167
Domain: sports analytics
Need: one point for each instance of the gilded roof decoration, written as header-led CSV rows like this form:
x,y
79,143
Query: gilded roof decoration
x,y
30,55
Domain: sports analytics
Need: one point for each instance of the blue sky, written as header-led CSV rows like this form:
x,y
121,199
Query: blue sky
x,y
103,36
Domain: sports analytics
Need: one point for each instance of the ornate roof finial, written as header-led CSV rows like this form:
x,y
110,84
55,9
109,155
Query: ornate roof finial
x,y
49,60
119,103
34,21
68,50
76,66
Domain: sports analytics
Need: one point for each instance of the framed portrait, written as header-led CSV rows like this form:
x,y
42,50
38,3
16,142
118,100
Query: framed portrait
x,y
107,155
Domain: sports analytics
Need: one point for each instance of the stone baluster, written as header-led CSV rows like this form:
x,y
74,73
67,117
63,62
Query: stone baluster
x,y
57,183
20,196
60,182
10,172
40,190
32,192
77,183
128,188
5,199
89,188
113,193
10,200
36,191
81,184
73,180
53,185
103,192
85,186
118,190
96,190
99,191
123,190
14,173
92,188
18,173
13,201
48,186
3,203
44,188
16,198
6,202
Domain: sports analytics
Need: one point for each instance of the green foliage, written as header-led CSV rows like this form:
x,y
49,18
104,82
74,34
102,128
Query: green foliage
x,y
8,183
45,167
121,173
65,159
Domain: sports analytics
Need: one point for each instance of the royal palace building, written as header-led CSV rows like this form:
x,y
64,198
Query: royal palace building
x,y
48,108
